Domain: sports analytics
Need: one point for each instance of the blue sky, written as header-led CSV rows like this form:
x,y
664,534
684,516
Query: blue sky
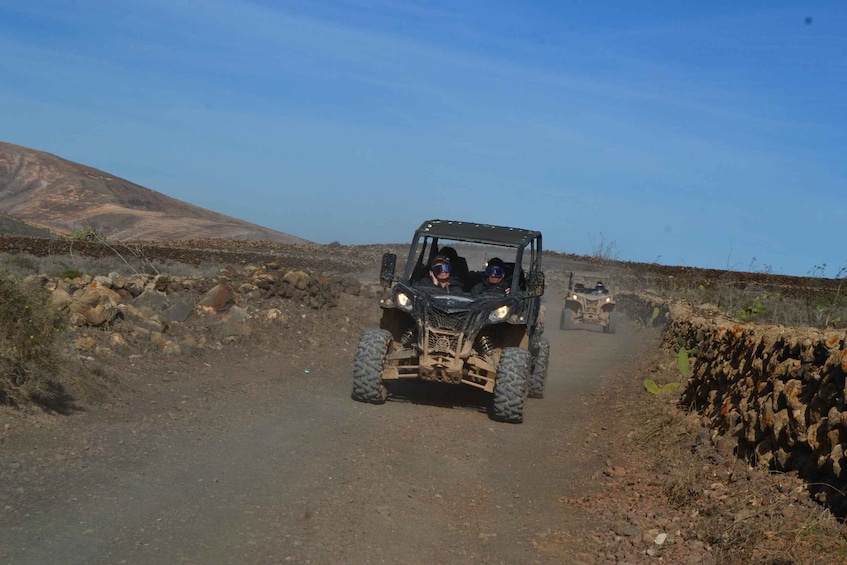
x,y
708,134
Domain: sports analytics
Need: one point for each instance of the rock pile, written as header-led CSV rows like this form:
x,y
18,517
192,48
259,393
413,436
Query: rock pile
x,y
117,311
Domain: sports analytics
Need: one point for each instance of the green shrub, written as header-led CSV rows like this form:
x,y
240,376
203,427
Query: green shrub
x,y
28,357
86,234
72,274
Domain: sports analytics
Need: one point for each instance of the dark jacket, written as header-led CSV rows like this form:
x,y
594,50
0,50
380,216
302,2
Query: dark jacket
x,y
454,286
485,288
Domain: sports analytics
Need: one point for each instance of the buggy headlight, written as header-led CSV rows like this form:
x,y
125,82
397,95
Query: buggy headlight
x,y
574,297
608,299
403,301
498,314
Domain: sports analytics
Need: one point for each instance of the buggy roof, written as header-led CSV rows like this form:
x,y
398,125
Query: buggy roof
x,y
595,276
477,233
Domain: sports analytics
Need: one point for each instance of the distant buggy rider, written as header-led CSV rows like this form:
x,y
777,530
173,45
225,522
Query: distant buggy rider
x,y
600,288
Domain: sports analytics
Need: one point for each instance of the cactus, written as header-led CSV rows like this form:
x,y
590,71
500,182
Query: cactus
x,y
682,362
654,316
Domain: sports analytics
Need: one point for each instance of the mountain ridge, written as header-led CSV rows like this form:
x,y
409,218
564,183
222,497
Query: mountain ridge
x,y
64,196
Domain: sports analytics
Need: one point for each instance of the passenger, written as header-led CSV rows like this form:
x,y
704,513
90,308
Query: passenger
x,y
494,281
440,277
458,264
600,288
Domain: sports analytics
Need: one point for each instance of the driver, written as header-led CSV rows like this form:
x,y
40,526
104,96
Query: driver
x,y
600,288
441,277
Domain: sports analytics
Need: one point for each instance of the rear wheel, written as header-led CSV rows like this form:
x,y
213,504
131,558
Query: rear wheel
x,y
538,378
368,365
511,387
566,322
612,326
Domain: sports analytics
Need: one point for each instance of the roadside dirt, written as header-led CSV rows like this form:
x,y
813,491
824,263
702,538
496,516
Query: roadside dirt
x,y
255,453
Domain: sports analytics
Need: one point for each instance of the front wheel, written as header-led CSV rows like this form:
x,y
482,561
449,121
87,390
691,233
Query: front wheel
x,y
566,322
368,365
538,378
612,326
510,389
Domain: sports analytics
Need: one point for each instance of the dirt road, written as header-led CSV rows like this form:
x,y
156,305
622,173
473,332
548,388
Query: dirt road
x,y
257,454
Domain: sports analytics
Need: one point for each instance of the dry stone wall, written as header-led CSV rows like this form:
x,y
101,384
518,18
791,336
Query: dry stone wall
x,y
140,254
777,392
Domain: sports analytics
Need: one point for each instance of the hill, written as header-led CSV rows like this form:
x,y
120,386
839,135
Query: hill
x,y
16,227
64,196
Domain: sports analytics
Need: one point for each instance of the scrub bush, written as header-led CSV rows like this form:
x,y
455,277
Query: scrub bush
x,y
29,359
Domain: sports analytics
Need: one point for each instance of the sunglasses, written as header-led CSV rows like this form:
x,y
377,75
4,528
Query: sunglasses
x,y
497,272
440,268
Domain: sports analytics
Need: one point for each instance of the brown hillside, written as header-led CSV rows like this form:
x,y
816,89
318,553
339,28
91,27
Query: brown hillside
x,y
64,196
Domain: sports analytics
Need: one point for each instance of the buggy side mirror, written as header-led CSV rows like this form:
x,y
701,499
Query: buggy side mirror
x,y
535,284
386,271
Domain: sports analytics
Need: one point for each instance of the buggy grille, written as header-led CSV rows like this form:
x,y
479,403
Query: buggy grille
x,y
439,342
592,306
444,331
450,322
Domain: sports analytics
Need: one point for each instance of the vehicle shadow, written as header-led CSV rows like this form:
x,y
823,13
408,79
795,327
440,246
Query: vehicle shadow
x,y
430,393
585,328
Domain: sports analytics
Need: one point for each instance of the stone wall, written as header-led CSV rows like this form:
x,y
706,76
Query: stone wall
x,y
779,392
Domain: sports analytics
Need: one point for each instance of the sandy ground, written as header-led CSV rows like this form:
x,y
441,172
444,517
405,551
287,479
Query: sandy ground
x,y
255,453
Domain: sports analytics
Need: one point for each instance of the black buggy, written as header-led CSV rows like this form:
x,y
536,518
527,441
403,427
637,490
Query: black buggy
x,y
491,342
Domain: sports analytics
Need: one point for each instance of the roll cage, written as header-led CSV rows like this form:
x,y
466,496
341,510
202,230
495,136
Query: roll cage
x,y
527,246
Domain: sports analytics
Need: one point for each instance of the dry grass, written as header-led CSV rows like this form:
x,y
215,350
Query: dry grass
x,y
24,264
88,383
816,303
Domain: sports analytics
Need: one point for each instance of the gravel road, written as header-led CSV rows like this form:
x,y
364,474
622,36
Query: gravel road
x,y
257,454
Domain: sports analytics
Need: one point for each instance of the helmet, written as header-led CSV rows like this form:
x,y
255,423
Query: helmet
x,y
448,252
440,258
496,262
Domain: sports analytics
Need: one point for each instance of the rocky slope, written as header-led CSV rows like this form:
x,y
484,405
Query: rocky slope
x,y
64,196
